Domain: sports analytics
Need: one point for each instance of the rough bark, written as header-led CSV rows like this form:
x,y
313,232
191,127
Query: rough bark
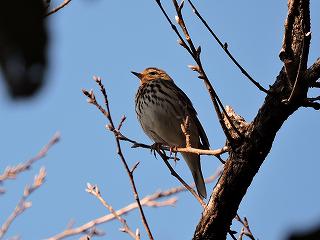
x,y
287,94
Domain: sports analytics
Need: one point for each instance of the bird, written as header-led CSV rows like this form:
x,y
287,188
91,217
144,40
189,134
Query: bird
x,y
161,107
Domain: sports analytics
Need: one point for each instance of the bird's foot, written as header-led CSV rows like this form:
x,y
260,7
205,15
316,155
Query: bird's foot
x,y
174,152
155,147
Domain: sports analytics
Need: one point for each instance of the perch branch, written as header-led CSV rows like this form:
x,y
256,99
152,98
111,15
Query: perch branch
x,y
195,54
213,152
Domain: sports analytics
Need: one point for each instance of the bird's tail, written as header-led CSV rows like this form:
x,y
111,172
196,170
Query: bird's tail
x,y
193,161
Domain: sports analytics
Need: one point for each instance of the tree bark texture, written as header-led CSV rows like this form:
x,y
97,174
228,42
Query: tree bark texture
x,y
286,95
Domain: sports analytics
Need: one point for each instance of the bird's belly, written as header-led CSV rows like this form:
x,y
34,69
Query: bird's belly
x,y
162,126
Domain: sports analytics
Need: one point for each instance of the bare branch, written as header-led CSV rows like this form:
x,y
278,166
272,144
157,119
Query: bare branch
x,y
185,129
62,5
23,204
92,232
107,113
296,89
12,172
295,50
225,48
176,175
216,152
94,190
202,74
118,136
313,74
121,122
244,162
150,201
311,104
315,85
286,52
195,53
213,152
174,28
134,167
245,229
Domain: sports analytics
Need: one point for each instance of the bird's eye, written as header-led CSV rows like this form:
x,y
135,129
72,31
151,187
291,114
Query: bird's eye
x,y
152,73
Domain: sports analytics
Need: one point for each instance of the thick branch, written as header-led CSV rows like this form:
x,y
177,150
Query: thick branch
x,y
313,73
242,166
245,161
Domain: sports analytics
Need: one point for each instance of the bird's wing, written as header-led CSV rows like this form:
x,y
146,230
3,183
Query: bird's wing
x,y
190,111
203,136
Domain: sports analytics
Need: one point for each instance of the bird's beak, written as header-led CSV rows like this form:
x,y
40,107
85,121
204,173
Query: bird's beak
x,y
139,75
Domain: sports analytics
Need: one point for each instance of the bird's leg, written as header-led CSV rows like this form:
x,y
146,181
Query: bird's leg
x,y
173,150
157,147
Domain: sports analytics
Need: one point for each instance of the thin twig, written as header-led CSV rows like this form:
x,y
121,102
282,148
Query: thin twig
x,y
245,229
176,175
123,118
313,74
202,74
92,232
112,128
12,172
241,167
62,5
224,46
174,28
150,201
23,204
146,201
185,129
195,53
94,190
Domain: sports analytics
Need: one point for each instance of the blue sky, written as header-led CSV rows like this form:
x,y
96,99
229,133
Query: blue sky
x,y
111,38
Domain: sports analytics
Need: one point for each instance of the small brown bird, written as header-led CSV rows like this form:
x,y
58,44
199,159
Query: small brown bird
x,y
161,108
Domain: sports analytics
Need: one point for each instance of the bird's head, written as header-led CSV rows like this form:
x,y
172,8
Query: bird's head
x,y
152,73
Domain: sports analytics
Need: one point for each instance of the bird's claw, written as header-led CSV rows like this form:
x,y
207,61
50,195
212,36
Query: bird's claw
x,y
172,149
155,147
